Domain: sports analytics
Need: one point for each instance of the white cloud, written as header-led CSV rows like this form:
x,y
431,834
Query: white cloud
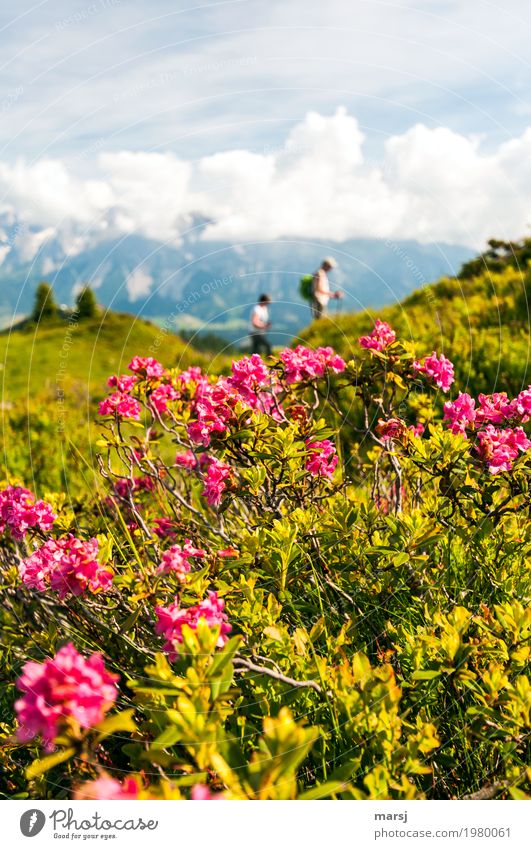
x,y
138,284
430,185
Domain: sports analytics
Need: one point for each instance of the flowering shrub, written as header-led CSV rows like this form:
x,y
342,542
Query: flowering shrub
x,y
20,511
67,687
312,580
68,565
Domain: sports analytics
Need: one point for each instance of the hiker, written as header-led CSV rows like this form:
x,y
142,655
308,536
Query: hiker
x,y
321,292
260,324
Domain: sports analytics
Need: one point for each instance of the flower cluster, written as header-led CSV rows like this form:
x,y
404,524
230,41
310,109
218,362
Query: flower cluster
x,y
68,686
120,404
498,447
322,458
390,428
302,364
216,478
380,337
20,510
439,369
249,378
177,559
171,620
108,788
160,397
68,565
146,367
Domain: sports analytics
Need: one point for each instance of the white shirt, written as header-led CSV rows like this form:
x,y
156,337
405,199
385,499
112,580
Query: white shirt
x,y
321,287
260,312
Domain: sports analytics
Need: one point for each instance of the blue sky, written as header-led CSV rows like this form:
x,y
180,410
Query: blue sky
x,y
84,80
199,77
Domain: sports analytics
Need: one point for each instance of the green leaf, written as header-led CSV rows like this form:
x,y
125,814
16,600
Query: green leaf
x,y
42,765
169,737
122,721
322,791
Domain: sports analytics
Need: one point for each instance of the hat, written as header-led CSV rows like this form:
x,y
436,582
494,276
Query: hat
x,y
330,261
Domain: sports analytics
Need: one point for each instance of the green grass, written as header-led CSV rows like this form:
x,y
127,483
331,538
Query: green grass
x,y
78,357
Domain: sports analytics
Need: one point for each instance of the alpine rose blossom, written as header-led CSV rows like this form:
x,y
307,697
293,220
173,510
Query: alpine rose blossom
x,y
216,478
390,428
494,409
302,364
107,788
500,448
69,565
20,511
146,366
380,337
66,686
461,413
171,620
120,404
186,460
203,793
440,369
124,383
177,559
160,397
522,405
322,458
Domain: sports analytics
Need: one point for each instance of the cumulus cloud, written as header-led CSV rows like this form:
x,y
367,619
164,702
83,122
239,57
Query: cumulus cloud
x,y
430,184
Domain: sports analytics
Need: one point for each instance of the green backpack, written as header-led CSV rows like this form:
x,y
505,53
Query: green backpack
x,y
306,287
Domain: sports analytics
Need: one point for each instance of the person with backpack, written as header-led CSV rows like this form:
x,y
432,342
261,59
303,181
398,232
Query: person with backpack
x,y
321,292
260,324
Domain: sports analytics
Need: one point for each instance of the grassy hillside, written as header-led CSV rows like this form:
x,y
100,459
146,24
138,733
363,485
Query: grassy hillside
x,y
36,359
480,321
53,375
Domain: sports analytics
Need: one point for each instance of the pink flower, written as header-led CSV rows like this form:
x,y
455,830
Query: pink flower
x,y
186,460
440,369
390,429
212,412
66,686
500,448
165,527
120,404
161,395
20,510
171,619
380,338
176,559
249,377
418,429
216,477
460,413
68,565
227,552
522,405
303,364
322,458
494,409
124,383
146,366
203,793
107,788
192,375
124,486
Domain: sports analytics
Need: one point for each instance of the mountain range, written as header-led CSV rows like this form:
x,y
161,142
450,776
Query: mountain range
x,y
195,284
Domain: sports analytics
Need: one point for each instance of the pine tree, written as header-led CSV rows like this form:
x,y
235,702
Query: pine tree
x,y
86,306
45,306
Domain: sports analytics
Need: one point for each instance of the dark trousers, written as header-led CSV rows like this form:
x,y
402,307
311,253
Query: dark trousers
x,y
260,343
317,309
